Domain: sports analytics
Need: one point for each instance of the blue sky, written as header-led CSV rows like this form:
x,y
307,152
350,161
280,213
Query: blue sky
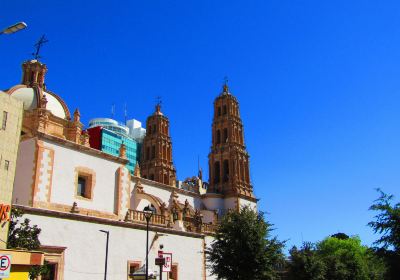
x,y
318,84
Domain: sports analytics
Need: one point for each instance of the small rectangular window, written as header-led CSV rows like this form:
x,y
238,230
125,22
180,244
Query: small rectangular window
x,y
81,191
6,164
4,122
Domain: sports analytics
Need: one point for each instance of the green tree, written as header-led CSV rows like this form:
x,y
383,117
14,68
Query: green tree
x,y
387,221
333,258
387,224
22,235
348,259
244,249
305,263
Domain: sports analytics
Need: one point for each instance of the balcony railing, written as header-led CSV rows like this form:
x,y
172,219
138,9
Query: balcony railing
x,y
190,224
138,216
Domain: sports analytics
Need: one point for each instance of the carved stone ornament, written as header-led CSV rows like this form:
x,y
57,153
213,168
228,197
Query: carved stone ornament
x,y
136,172
139,187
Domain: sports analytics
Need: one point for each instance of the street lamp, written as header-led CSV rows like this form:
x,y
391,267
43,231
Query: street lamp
x,y
105,266
14,28
148,213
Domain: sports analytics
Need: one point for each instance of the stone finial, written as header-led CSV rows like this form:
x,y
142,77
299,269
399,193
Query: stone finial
x,y
174,196
43,102
74,208
139,187
77,115
122,151
136,171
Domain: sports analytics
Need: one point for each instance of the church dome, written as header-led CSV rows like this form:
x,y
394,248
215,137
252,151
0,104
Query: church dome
x,y
29,97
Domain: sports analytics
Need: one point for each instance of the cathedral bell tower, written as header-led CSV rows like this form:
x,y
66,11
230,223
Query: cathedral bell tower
x,y
228,159
156,157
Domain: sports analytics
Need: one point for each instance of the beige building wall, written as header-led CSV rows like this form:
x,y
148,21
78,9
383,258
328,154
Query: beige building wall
x,y
11,111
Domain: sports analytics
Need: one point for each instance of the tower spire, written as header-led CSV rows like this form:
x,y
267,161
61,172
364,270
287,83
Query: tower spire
x,y
228,159
156,158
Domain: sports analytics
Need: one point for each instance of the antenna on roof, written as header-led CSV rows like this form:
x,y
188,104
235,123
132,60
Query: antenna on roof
x,y
112,111
125,112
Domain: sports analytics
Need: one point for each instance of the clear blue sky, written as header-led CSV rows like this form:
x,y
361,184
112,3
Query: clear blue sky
x,y
318,84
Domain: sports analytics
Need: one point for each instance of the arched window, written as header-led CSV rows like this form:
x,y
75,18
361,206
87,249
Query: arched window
x,y
226,170
153,152
216,172
147,153
219,111
218,137
224,110
225,135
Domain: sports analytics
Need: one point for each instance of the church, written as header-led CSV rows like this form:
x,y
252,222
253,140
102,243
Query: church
x,y
76,193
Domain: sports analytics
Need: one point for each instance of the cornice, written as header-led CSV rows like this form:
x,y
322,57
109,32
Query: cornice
x,y
81,148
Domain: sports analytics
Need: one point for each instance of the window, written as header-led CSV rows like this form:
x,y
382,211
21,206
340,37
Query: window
x,y
6,164
219,111
147,153
224,110
85,181
81,186
226,171
218,137
4,122
153,152
133,267
225,135
216,172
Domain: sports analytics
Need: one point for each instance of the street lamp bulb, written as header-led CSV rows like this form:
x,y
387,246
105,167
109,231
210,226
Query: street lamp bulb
x,y
14,28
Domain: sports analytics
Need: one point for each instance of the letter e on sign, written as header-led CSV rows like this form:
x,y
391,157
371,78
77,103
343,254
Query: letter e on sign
x,y
5,265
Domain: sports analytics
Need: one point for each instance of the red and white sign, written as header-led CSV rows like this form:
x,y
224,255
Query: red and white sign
x,y
5,265
167,267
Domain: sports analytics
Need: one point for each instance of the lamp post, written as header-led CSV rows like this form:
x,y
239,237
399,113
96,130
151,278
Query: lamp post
x,y
148,213
14,28
105,265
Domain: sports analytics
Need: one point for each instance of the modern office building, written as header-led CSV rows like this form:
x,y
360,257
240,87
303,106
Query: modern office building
x,y
108,135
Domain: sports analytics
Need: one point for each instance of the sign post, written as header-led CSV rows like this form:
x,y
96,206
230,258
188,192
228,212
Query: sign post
x,y
5,265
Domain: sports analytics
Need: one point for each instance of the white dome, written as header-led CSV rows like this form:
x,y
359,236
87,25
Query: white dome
x,y
28,96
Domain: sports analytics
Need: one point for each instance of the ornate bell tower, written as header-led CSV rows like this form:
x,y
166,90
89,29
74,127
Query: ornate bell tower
x,y
156,157
228,159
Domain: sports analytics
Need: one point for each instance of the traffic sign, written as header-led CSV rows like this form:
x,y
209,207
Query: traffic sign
x,y
5,265
168,261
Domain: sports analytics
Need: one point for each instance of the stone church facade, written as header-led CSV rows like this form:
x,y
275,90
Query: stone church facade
x,y
72,191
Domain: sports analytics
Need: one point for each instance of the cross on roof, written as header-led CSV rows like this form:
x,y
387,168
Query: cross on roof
x,y
38,45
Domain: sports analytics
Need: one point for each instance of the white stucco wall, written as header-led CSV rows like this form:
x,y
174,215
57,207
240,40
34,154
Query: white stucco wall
x,y
213,203
85,253
165,195
244,202
22,193
63,187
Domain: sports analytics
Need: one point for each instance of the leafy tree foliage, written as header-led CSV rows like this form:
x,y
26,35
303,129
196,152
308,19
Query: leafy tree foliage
x,y
387,221
387,224
336,259
306,264
22,234
244,249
